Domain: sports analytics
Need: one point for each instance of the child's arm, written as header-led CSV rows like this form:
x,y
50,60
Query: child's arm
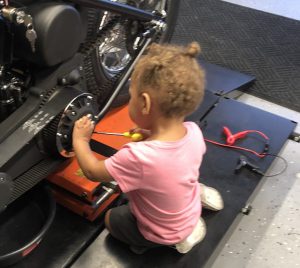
x,y
93,168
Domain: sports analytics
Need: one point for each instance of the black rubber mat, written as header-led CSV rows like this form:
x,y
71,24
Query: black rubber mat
x,y
250,41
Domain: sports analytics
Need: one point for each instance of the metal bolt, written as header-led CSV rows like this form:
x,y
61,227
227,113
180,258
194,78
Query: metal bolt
x,y
20,17
58,134
247,209
84,195
80,68
65,136
73,113
164,13
63,81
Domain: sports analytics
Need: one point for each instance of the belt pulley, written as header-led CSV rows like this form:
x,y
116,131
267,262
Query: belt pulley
x,y
81,105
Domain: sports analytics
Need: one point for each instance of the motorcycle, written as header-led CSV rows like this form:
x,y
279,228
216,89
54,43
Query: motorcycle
x,y
60,60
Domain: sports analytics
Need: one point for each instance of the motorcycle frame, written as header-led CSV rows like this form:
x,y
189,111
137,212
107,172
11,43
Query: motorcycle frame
x,y
119,8
131,13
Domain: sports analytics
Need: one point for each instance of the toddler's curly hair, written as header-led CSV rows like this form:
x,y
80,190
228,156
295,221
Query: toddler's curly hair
x,y
171,75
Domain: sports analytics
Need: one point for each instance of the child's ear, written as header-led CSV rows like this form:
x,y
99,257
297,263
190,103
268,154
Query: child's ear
x,y
146,103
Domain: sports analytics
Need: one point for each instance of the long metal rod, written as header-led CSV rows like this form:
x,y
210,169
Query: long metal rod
x,y
123,80
109,133
119,8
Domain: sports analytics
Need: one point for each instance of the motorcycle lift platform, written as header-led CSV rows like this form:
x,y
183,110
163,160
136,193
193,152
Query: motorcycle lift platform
x,y
70,235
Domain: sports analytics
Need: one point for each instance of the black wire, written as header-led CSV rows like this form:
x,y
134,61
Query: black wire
x,y
280,172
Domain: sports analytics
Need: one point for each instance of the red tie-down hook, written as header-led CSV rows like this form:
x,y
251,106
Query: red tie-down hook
x,y
232,138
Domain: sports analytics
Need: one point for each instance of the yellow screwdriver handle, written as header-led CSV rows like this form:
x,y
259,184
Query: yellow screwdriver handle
x,y
134,136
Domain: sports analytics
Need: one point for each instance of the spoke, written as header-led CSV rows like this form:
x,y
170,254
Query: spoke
x,y
118,58
103,21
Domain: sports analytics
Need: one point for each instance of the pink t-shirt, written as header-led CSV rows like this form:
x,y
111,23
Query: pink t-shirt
x,y
161,182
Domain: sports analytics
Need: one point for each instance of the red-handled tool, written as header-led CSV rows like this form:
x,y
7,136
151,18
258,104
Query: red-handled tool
x,y
232,138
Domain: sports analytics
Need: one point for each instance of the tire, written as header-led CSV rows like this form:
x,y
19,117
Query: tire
x,y
102,80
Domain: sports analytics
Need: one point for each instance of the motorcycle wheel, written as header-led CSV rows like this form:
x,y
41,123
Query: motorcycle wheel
x,y
108,60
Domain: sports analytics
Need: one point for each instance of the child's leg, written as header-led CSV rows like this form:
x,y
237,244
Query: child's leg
x,y
211,198
123,226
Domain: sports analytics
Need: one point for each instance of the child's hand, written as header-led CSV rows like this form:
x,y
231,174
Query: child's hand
x,y
83,129
144,132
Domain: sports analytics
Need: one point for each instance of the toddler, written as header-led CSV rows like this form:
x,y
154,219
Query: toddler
x,y
159,174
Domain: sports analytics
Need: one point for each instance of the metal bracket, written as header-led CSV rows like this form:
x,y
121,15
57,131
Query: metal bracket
x,y
295,137
246,209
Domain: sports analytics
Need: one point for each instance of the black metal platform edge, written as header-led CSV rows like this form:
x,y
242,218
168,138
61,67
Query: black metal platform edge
x,y
209,101
222,81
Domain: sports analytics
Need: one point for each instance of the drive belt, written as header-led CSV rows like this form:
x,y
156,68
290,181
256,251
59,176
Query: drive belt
x,y
34,124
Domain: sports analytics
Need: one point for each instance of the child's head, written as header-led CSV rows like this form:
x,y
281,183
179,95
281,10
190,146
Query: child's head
x,y
172,77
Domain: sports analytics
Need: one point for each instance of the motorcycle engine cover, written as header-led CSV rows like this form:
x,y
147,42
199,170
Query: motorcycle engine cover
x,y
59,34
6,189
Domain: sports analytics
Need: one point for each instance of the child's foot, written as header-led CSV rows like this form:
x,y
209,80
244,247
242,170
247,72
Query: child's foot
x,y
211,198
193,239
